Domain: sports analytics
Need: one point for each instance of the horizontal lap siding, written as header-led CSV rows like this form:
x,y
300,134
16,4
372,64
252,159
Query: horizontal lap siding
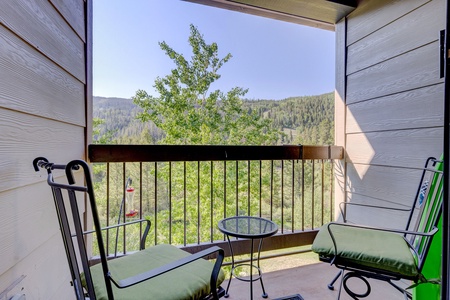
x,y
42,113
25,137
394,99
33,84
412,70
40,25
371,15
402,148
425,108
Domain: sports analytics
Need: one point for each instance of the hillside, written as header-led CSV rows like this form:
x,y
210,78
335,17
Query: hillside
x,y
304,120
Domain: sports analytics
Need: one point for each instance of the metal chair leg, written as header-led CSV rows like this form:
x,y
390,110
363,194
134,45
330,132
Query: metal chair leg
x,y
331,284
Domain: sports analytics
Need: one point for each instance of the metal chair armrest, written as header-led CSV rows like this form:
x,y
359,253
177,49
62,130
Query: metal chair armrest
x,y
144,234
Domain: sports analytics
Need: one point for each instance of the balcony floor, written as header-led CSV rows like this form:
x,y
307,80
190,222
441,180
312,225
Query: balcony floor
x,y
310,281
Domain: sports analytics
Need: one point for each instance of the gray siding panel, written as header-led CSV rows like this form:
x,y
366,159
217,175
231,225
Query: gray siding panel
x,y
73,12
416,108
34,84
373,15
25,137
396,185
42,113
404,34
412,70
401,148
40,25
394,99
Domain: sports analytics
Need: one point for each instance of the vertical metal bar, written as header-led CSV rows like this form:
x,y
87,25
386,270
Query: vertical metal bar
x,y
303,195
323,190
282,196
212,202
260,188
170,202
237,188
224,189
156,204
331,191
248,189
108,213
225,199
124,206
293,196
312,193
198,202
140,199
184,203
271,189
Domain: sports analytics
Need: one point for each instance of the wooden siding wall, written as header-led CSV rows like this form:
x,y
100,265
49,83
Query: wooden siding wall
x,y
43,104
391,117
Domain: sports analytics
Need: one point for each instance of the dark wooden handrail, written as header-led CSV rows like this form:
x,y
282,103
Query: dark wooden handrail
x,y
156,153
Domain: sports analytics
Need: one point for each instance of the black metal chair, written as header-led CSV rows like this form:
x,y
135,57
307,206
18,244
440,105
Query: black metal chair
x,y
384,253
159,272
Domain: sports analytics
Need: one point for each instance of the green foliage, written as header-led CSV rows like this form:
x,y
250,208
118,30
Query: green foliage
x,y
184,201
189,113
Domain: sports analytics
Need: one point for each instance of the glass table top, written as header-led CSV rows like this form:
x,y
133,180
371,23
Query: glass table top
x,y
247,227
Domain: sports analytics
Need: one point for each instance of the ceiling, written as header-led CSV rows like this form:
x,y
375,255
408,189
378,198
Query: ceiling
x,y
316,13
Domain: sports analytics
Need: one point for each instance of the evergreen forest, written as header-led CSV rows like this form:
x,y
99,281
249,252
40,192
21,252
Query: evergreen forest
x,y
307,120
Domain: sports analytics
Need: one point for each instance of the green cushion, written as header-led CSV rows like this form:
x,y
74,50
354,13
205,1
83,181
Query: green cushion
x,y
385,251
191,281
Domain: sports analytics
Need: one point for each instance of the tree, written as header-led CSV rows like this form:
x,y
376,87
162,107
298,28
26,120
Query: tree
x,y
189,113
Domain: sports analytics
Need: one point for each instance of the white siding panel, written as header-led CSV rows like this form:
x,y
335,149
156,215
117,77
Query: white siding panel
x,y
396,75
24,137
32,83
402,148
411,109
38,23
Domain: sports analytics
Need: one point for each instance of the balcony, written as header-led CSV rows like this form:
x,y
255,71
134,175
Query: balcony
x,y
185,190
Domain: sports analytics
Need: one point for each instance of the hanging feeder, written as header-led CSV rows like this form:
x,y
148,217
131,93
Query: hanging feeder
x,y
132,212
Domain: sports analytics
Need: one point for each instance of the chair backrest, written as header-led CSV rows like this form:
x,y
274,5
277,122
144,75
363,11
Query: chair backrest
x,y
427,207
70,223
72,226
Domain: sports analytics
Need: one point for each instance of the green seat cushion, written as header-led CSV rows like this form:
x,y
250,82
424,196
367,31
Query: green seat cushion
x,y
385,251
191,281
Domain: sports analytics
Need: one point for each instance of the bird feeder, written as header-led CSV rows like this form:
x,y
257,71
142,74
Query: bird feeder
x,y
132,212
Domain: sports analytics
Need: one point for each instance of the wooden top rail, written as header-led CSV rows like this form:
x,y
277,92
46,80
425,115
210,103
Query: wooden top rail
x,y
164,153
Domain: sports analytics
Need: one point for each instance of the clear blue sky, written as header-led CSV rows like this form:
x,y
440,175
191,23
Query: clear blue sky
x,y
273,59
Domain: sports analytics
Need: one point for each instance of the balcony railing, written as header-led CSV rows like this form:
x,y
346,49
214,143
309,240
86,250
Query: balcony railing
x,y
185,190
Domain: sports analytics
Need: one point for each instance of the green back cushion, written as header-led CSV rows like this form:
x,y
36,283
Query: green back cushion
x,y
191,281
367,248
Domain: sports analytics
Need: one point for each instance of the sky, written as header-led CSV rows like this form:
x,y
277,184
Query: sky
x,y
272,59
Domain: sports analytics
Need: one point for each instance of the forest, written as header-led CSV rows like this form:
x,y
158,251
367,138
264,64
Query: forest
x,y
306,120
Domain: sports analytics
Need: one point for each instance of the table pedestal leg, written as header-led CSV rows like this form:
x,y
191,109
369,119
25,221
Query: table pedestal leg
x,y
232,267
251,266
264,294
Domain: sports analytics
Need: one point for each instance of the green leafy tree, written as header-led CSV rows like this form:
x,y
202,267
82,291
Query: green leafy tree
x,y
189,113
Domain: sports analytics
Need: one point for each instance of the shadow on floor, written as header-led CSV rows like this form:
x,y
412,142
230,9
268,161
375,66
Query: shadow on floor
x,y
310,281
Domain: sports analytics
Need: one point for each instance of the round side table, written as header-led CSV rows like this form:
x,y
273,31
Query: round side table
x,y
248,228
